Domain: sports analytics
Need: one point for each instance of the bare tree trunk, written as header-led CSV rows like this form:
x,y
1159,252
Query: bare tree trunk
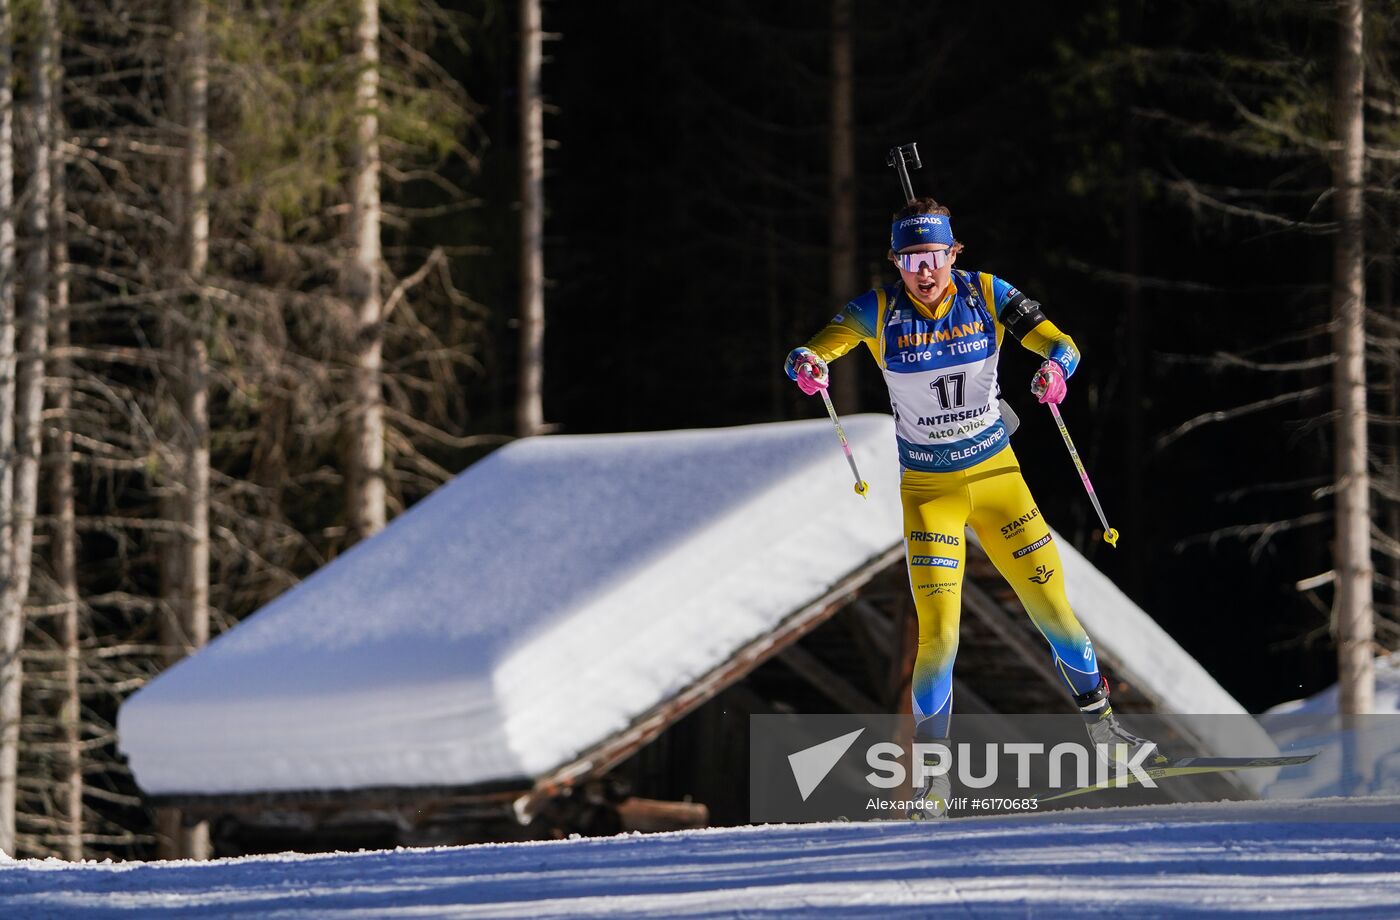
x,y
179,839
846,384
11,625
65,565
65,530
33,322
188,578
366,480
1354,609
196,567
196,237
529,406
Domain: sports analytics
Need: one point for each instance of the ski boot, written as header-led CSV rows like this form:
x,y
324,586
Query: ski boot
x,y
1107,733
930,800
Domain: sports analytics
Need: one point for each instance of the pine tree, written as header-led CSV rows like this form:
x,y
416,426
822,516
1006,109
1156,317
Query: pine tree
x,y
530,396
11,617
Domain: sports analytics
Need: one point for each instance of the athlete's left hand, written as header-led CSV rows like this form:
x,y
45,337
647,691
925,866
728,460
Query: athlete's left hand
x,y
812,375
807,370
1049,383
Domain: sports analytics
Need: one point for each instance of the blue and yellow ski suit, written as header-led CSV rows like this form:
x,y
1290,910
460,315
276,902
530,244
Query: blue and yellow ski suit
x,y
958,469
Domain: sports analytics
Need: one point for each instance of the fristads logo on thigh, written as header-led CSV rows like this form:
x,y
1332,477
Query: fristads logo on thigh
x,y
923,536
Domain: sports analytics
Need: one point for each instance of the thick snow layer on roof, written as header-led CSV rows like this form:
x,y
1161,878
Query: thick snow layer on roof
x,y
529,608
539,602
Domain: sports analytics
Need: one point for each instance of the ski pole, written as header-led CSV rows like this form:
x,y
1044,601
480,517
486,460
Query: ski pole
x,y
862,487
1110,536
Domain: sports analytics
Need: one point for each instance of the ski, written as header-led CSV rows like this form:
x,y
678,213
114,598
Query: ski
x,y
1186,766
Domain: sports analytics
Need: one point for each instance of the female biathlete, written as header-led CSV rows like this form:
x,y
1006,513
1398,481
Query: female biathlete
x,y
936,336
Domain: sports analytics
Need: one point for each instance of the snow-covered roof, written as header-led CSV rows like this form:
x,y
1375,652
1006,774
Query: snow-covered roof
x,y
544,599
536,603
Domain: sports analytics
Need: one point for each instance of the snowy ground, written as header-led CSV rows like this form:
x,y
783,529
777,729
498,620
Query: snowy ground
x,y
1310,859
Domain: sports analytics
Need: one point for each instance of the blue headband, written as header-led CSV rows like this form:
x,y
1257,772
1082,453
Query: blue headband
x,y
919,229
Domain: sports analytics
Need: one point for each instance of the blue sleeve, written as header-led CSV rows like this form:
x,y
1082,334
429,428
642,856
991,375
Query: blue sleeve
x,y
1002,292
860,315
854,324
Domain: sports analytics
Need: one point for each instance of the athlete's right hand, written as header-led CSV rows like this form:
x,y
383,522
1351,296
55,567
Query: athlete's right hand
x,y
809,371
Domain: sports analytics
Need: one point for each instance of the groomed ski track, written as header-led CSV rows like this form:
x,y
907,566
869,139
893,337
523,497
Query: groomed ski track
x,y
1328,858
